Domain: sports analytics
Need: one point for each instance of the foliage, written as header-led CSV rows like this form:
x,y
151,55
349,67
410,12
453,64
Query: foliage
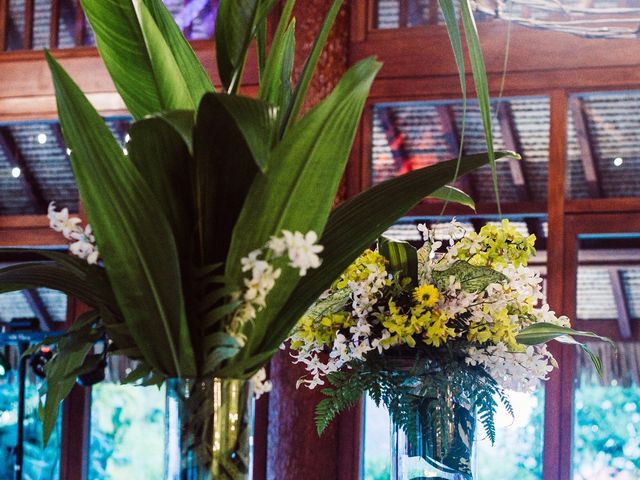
x,y
410,385
175,217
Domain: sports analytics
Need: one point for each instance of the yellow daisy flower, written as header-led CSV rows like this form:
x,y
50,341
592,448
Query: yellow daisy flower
x,y
426,295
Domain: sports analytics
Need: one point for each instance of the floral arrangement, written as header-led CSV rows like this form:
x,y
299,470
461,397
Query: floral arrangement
x,y
213,230
470,317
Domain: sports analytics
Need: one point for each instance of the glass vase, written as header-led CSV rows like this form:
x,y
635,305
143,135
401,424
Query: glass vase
x,y
209,429
438,441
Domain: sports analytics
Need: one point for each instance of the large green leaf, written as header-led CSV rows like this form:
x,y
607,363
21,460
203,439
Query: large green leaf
x,y
304,169
236,26
150,62
56,277
355,225
193,71
174,90
133,234
298,190
227,127
544,332
122,47
162,158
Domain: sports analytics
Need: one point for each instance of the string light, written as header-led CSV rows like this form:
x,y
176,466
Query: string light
x,y
42,138
16,172
618,161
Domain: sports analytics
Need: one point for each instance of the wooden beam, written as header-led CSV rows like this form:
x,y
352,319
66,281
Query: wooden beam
x,y
587,154
624,319
16,160
452,139
54,24
512,142
40,310
27,34
80,25
395,138
4,24
403,15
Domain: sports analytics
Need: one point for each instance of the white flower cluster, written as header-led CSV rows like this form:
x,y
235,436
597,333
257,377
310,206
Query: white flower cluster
x,y
517,371
260,383
364,296
83,241
302,252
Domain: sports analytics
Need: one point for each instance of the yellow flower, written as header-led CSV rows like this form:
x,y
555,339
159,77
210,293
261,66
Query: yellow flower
x,y
426,295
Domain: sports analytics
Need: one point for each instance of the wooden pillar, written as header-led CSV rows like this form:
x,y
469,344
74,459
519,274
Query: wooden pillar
x,y
294,450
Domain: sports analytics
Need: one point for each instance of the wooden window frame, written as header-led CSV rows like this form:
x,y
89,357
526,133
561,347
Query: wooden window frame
x,y
568,65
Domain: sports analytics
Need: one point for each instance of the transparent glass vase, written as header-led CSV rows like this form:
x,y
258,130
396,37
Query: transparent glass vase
x,y
438,442
209,429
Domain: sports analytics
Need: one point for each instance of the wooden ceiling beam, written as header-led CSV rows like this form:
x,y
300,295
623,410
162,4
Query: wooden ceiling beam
x,y
585,142
4,23
16,160
512,142
452,139
40,310
27,33
624,319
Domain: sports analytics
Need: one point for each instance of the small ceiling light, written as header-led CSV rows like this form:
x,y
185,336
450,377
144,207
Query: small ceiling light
x,y
42,138
68,152
127,138
15,172
618,161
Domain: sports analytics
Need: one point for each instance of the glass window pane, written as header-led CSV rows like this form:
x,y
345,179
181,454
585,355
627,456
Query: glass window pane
x,y
127,432
519,441
39,462
607,416
603,145
411,135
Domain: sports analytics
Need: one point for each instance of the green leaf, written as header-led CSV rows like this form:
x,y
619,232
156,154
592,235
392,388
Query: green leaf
x,y
137,374
227,127
544,332
304,82
46,275
122,48
402,256
471,277
236,25
174,90
482,85
60,383
182,121
298,190
131,231
217,356
162,159
275,82
195,76
356,224
453,194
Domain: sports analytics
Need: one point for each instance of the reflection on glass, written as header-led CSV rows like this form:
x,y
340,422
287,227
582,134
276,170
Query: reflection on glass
x,y
127,432
39,463
607,416
518,441
377,442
